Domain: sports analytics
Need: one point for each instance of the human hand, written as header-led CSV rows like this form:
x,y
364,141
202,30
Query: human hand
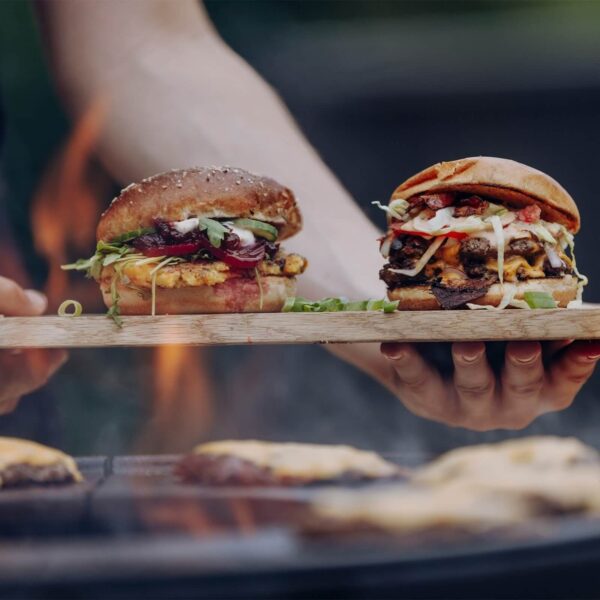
x,y
536,378
23,371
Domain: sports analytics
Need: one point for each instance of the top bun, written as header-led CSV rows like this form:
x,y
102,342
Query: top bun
x,y
510,182
214,192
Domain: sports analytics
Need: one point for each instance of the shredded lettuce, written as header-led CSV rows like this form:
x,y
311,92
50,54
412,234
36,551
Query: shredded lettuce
x,y
433,247
507,298
499,233
396,208
297,304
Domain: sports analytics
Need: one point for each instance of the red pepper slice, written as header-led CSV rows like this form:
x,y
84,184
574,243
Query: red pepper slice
x,y
172,249
457,235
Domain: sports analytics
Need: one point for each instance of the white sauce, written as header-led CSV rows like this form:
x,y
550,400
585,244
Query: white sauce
x,y
246,237
186,226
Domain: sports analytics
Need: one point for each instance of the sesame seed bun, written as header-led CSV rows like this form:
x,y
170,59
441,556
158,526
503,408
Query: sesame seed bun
x,y
223,192
506,181
233,296
420,297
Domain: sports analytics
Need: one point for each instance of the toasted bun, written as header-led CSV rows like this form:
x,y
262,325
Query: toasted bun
x,y
507,181
233,296
420,297
203,191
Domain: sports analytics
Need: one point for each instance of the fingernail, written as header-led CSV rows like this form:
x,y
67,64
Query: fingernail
x,y
471,358
392,351
524,353
593,356
37,300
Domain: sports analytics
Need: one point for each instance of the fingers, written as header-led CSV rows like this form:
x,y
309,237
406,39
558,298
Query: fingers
x,y
522,384
474,382
23,372
418,385
15,301
569,372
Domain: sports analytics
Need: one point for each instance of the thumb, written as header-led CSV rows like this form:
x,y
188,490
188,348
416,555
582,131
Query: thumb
x,y
15,301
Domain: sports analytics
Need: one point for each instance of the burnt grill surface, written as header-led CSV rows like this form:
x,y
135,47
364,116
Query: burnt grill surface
x,y
132,530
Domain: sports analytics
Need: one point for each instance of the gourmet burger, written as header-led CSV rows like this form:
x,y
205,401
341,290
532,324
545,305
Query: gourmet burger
x,y
481,232
202,240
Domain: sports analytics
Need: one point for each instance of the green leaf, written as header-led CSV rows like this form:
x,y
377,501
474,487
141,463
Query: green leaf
x,y
539,300
114,312
337,305
390,307
131,235
214,230
109,259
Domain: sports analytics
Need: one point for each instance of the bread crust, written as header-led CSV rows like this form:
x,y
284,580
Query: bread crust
x,y
420,297
223,192
234,296
510,182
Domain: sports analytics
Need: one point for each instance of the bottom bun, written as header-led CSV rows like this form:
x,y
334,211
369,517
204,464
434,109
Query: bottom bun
x,y
233,296
420,297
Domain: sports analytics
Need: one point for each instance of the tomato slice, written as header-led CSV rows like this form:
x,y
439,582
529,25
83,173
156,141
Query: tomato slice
x,y
172,249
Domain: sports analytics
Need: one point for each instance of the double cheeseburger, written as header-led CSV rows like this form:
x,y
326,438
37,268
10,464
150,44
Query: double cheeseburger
x,y
481,232
201,240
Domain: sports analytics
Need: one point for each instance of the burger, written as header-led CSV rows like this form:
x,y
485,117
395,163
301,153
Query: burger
x,y
201,240
481,232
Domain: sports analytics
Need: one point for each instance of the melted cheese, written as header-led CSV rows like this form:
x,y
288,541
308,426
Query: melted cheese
x,y
562,472
306,461
478,487
15,452
407,509
187,274
517,265
489,461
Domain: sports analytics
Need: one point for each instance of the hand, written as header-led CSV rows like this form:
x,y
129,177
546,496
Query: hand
x,y
535,379
23,371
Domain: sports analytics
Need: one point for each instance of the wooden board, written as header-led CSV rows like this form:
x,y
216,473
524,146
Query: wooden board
x,y
299,328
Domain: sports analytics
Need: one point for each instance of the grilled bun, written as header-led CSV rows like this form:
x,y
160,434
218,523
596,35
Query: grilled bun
x,y
235,295
224,192
506,181
420,297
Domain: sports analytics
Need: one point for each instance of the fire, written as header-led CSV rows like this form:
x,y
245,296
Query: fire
x,y
182,403
67,203
65,211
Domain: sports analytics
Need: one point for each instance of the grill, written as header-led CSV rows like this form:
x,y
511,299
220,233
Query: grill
x,y
133,531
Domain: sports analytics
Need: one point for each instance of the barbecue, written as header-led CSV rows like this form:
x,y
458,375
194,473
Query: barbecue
x,y
133,530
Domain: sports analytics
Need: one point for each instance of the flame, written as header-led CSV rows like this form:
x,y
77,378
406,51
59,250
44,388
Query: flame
x,y
65,211
67,203
182,402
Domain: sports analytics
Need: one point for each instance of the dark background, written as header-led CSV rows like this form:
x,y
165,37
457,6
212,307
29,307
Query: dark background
x,y
382,89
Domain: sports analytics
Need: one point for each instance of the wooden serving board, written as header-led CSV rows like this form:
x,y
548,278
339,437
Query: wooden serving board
x,y
299,328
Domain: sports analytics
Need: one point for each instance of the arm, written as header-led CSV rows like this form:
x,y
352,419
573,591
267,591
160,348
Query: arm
x,y
179,96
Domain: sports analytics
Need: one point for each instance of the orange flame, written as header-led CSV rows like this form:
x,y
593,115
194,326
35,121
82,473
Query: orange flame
x,y
182,405
66,204
65,211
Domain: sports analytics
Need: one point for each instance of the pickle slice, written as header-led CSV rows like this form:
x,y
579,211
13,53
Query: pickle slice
x,y
258,228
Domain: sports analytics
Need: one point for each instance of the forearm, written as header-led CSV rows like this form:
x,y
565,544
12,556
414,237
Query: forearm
x,y
178,96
